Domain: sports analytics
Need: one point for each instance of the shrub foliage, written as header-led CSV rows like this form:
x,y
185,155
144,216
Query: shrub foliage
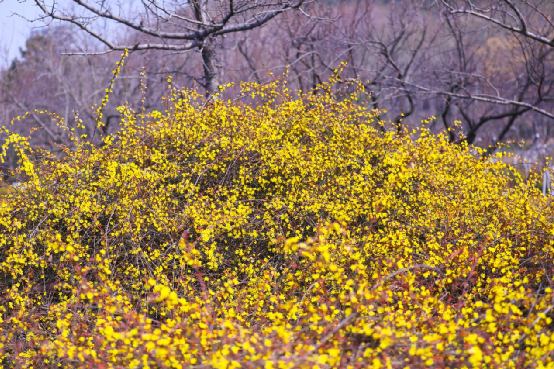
x,y
294,232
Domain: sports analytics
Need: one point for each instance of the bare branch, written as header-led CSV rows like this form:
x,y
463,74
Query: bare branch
x,y
137,47
253,24
522,29
478,97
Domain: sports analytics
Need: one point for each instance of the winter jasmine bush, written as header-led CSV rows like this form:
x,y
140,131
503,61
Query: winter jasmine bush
x,y
290,233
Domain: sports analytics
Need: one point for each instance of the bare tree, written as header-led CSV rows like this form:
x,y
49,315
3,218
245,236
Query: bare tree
x,y
422,61
528,27
177,26
527,18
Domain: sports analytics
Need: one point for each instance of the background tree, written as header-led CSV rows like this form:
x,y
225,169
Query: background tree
x,y
420,60
527,26
531,20
174,25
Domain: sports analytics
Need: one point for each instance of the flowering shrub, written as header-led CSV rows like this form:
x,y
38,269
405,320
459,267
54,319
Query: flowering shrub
x,y
290,233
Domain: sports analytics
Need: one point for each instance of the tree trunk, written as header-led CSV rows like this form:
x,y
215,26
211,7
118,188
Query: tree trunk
x,y
208,50
211,70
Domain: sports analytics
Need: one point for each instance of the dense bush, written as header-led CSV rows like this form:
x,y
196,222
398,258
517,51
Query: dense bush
x,y
294,232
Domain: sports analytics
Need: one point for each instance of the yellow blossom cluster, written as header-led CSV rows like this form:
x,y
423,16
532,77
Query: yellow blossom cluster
x,y
273,231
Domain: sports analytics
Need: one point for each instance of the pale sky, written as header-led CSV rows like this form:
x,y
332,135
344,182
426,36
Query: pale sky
x,y
14,30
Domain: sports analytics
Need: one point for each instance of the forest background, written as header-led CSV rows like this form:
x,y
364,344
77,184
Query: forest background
x,y
452,60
